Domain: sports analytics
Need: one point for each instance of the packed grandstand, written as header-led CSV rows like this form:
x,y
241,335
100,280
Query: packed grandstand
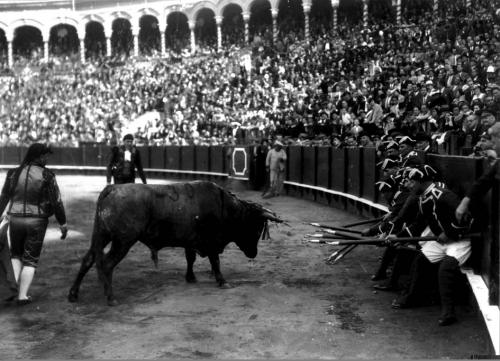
x,y
311,73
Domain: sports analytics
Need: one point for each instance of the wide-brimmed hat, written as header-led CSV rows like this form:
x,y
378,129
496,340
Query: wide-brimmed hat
x,y
388,163
387,184
422,173
407,140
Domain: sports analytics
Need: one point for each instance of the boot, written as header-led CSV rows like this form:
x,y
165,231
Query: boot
x,y
403,259
421,272
387,258
447,276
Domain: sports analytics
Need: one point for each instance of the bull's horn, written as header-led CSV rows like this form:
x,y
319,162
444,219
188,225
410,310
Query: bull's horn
x,y
271,216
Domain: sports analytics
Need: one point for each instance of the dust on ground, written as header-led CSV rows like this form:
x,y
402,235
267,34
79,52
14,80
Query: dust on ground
x,y
285,304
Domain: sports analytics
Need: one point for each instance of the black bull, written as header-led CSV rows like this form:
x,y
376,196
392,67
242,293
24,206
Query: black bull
x,y
199,216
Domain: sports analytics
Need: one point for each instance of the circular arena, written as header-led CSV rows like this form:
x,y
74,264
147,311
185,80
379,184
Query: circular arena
x,y
321,114
285,304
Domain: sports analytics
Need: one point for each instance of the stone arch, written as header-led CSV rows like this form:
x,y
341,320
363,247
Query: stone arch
x,y
28,42
95,39
290,16
64,20
5,28
149,34
201,6
63,39
260,23
29,22
225,3
177,32
121,38
93,18
321,16
120,14
351,11
381,9
3,46
148,11
205,27
233,25
175,9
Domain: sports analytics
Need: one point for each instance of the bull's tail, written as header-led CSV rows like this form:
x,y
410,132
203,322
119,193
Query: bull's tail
x,y
99,240
94,254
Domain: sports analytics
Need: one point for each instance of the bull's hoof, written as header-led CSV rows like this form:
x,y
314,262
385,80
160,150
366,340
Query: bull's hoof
x,y
225,286
191,279
72,297
112,302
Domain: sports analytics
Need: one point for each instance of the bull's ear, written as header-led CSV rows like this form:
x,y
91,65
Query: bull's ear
x,y
271,216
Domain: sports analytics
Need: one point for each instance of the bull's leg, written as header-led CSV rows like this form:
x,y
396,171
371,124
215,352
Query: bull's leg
x,y
105,270
190,258
87,262
215,263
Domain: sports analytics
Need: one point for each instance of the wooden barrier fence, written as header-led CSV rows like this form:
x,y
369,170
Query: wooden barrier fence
x,y
339,177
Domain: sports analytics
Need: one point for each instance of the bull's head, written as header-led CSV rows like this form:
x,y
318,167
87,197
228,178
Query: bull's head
x,y
254,227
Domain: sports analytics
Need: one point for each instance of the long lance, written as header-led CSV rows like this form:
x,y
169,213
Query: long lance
x,y
376,241
341,255
374,220
337,252
334,234
341,229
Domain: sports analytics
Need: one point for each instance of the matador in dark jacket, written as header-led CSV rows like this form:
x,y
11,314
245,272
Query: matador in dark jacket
x,y
123,162
32,195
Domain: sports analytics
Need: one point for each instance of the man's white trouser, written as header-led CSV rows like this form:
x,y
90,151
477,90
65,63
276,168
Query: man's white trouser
x,y
435,252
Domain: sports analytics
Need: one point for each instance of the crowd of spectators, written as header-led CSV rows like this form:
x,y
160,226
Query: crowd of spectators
x,y
438,77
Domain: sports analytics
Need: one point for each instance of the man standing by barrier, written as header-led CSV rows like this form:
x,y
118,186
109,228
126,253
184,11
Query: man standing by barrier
x,y
486,181
441,258
275,166
123,162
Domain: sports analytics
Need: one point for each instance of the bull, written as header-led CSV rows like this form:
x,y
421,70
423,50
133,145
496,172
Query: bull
x,y
199,216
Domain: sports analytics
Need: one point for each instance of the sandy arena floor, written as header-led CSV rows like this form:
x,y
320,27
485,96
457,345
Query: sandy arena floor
x,y
285,304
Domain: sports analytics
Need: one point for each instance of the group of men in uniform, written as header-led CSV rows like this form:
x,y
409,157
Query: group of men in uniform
x,y
419,206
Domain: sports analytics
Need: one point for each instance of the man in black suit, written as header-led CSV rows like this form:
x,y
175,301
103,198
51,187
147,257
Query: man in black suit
x,y
123,162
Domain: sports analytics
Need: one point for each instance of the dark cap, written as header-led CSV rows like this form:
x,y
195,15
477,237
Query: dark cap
x,y
35,151
39,149
128,137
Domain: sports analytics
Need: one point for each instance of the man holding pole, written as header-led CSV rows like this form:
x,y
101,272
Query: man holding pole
x,y
445,255
403,208
487,180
